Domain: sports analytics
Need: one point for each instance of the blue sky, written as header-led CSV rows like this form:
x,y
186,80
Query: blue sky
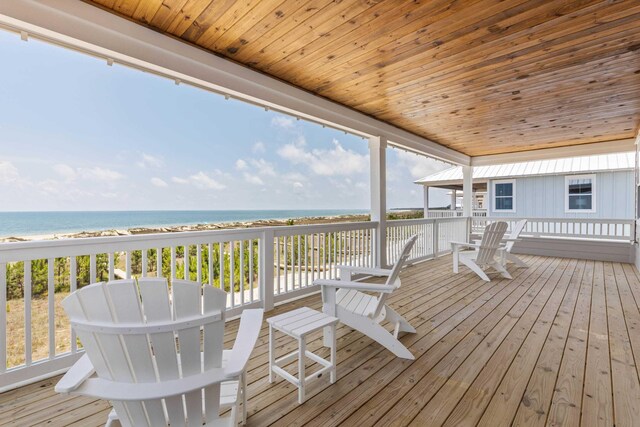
x,y
76,134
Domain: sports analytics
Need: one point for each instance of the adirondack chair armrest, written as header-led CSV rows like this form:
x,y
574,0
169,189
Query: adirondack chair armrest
x,y
364,270
360,286
465,244
75,376
113,390
250,324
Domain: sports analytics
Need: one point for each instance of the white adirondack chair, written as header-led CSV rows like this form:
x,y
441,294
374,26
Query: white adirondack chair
x,y
513,238
347,300
486,254
156,354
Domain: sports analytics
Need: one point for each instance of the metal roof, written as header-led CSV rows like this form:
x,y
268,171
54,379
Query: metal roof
x,y
596,163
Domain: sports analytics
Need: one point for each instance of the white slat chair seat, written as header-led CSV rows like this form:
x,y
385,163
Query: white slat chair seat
x,y
357,302
156,353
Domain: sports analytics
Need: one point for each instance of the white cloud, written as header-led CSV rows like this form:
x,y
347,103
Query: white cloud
x,y
259,147
97,173
65,171
263,167
148,160
179,180
158,182
241,164
205,182
336,161
298,187
253,179
420,166
8,172
282,122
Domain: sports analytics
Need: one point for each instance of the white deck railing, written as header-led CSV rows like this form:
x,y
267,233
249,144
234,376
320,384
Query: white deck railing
x,y
583,228
258,267
434,236
444,213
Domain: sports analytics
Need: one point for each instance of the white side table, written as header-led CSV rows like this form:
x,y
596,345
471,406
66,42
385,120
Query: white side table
x,y
298,324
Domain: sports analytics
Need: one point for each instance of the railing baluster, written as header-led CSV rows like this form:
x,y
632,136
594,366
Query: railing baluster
x,y
241,272
173,262
110,266
127,255
73,286
313,257
299,261
145,262
199,263
51,302
251,246
306,259
210,263
221,265
278,265
159,262
293,264
186,259
232,272
27,313
92,269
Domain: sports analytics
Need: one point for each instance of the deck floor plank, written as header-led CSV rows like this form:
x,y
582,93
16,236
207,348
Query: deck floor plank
x,y
557,345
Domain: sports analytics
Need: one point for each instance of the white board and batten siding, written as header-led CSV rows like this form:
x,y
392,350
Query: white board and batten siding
x,y
544,197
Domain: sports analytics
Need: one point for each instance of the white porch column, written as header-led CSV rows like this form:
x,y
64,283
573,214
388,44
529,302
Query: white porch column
x,y
454,198
378,170
426,201
467,190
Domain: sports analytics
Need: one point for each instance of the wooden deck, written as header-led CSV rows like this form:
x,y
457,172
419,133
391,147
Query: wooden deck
x,y
554,346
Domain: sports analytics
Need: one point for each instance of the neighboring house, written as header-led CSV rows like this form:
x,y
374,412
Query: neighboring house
x,y
599,186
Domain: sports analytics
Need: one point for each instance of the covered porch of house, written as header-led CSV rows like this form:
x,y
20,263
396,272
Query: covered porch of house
x,y
554,346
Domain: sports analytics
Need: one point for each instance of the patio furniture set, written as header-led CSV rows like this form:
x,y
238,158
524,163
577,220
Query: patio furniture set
x,y
156,351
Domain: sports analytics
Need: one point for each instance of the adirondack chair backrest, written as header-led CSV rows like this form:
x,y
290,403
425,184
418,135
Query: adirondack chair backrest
x,y
515,232
490,242
394,277
179,315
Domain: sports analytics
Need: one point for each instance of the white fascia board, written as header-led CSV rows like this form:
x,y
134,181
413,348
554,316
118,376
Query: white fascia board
x,y
607,147
87,28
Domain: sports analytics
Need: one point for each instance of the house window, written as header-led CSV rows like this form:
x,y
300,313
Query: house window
x,y
504,199
580,193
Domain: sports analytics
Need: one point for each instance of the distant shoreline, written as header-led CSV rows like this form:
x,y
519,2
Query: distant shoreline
x,y
219,225
205,227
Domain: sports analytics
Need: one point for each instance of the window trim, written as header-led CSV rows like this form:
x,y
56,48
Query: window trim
x,y
592,177
513,195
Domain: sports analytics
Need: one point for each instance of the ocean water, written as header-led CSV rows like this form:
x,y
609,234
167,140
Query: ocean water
x,y
36,223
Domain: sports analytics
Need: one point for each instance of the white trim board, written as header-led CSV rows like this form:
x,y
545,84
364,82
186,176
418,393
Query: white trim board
x,y
87,28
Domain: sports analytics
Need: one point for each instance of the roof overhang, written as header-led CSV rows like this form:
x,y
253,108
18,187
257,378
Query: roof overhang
x,y
88,29
620,146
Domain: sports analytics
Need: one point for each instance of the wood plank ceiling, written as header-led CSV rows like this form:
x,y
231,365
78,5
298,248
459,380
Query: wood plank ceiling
x,y
479,76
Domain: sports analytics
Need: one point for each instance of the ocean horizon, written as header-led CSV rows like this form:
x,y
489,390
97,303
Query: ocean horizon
x,y
18,224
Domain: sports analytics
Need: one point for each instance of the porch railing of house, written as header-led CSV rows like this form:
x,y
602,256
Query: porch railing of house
x,y
446,213
258,267
582,228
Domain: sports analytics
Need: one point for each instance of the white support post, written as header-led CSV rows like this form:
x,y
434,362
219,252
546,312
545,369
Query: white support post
x,y
467,190
378,165
426,201
454,197
265,276
467,193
